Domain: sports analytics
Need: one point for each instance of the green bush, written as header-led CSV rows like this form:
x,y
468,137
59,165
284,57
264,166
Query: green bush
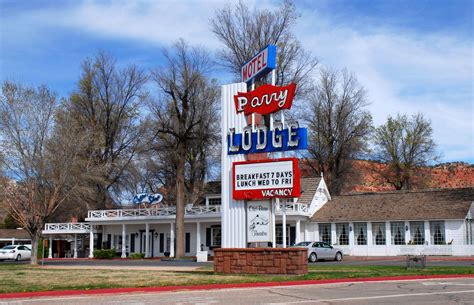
x,y
104,253
137,255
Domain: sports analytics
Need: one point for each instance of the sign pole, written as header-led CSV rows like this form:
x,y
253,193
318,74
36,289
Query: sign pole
x,y
273,202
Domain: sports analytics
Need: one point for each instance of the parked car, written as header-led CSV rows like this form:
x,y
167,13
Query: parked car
x,y
320,250
16,252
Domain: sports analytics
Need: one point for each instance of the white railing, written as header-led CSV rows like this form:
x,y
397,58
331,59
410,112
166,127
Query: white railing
x,y
293,208
67,227
153,212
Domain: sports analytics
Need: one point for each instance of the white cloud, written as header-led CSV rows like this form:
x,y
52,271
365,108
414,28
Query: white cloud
x,y
405,72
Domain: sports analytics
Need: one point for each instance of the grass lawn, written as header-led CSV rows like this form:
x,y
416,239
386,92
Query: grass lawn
x,y
18,278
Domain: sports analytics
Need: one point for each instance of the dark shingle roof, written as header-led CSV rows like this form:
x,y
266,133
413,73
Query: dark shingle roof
x,y
401,205
9,233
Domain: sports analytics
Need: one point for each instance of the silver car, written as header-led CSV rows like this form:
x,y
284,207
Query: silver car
x,y
320,250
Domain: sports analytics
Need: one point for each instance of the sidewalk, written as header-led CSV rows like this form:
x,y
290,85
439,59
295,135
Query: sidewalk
x,y
62,293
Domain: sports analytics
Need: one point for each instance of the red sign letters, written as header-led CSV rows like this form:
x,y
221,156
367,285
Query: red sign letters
x,y
265,99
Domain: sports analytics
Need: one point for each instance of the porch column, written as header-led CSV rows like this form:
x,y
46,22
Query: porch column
x,y
91,242
75,246
171,239
198,237
427,233
13,240
298,231
407,232
388,235
351,234
333,234
50,247
124,241
147,240
369,234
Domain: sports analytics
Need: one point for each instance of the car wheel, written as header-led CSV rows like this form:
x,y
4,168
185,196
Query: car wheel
x,y
338,256
313,257
18,257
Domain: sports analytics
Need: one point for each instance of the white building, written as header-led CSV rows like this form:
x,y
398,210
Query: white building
x,y
432,222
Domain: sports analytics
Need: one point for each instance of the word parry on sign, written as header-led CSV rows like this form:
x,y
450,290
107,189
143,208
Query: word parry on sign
x,y
262,63
265,99
263,140
274,178
258,221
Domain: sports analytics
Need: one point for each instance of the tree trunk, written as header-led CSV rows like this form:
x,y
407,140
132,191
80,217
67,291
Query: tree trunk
x,y
34,248
180,201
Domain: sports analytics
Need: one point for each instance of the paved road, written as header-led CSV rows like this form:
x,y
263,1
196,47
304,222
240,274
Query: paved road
x,y
432,292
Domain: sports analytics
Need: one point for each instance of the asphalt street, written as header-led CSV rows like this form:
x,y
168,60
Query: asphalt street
x,y
432,292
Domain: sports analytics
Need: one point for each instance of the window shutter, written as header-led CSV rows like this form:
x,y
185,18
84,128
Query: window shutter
x,y
188,243
162,242
208,237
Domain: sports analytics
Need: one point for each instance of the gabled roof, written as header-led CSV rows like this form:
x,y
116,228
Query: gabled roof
x,y
401,205
308,189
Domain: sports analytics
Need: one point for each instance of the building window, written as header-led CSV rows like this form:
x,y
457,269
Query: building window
x,y
417,232
213,201
342,233
325,233
437,233
216,236
397,229
360,233
279,235
378,233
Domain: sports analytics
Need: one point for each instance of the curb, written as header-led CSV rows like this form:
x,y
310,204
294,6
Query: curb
x,y
60,293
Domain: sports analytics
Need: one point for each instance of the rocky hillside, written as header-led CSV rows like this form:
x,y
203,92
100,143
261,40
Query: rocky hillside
x,y
366,177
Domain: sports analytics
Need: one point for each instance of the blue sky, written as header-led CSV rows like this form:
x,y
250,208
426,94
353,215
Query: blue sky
x,y
411,56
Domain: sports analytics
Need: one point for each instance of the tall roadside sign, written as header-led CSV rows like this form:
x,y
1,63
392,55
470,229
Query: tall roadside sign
x,y
250,189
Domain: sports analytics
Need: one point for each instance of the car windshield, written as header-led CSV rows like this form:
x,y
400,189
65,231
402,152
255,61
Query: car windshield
x,y
303,244
8,247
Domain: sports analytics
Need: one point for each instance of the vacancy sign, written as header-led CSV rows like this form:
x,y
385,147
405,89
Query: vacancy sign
x,y
273,178
262,63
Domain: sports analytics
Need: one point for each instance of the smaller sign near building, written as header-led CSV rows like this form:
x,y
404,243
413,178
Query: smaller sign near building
x,y
262,63
258,221
265,99
274,178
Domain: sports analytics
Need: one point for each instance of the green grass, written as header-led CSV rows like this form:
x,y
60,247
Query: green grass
x,y
18,278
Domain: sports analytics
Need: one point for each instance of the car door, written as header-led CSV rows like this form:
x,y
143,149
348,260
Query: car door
x,y
328,251
25,252
320,251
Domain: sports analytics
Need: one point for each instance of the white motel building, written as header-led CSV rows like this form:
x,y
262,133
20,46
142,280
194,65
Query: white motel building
x,y
431,222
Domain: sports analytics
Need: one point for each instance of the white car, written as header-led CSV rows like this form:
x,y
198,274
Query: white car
x,y
320,250
16,252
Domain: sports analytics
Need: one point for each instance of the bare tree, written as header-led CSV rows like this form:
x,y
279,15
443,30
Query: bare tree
x,y
40,165
185,116
405,144
106,109
244,32
339,126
